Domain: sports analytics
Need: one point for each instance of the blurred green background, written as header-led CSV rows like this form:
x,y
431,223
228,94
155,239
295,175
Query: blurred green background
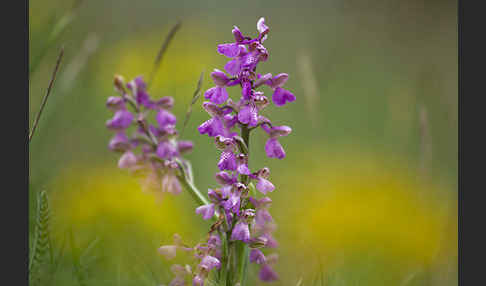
x,y
367,194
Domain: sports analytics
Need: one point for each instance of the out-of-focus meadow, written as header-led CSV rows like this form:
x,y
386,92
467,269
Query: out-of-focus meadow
x,y
367,192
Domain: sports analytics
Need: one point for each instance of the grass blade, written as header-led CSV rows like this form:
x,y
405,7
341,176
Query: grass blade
x,y
49,88
162,51
195,97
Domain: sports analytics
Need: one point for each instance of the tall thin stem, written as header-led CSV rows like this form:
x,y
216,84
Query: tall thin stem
x,y
49,88
241,248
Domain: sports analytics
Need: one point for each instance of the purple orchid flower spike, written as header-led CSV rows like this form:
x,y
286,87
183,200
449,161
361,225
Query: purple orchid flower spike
x,y
246,218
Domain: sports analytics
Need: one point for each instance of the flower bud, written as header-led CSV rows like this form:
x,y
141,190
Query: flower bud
x,y
119,83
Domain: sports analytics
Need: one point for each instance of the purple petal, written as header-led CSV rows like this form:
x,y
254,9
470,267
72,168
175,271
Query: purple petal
x,y
184,146
225,179
243,169
263,79
278,80
171,184
261,27
267,274
219,77
237,34
216,94
274,149
207,211
115,103
119,142
246,90
212,127
165,102
209,262
248,115
227,161
229,50
264,186
121,120
281,96
127,160
168,251
278,131
164,118
197,281
262,217
241,232
233,67
166,150
256,256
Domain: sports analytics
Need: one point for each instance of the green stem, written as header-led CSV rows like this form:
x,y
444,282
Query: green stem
x,y
242,249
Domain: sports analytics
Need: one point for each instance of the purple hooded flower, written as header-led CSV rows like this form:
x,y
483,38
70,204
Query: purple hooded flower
x,y
232,203
234,66
264,185
184,146
197,281
212,127
267,274
120,142
165,102
225,179
121,120
219,78
217,94
166,150
237,34
241,232
164,118
256,256
168,251
115,103
138,87
209,262
242,163
171,184
280,96
273,147
127,160
230,50
262,29
207,211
